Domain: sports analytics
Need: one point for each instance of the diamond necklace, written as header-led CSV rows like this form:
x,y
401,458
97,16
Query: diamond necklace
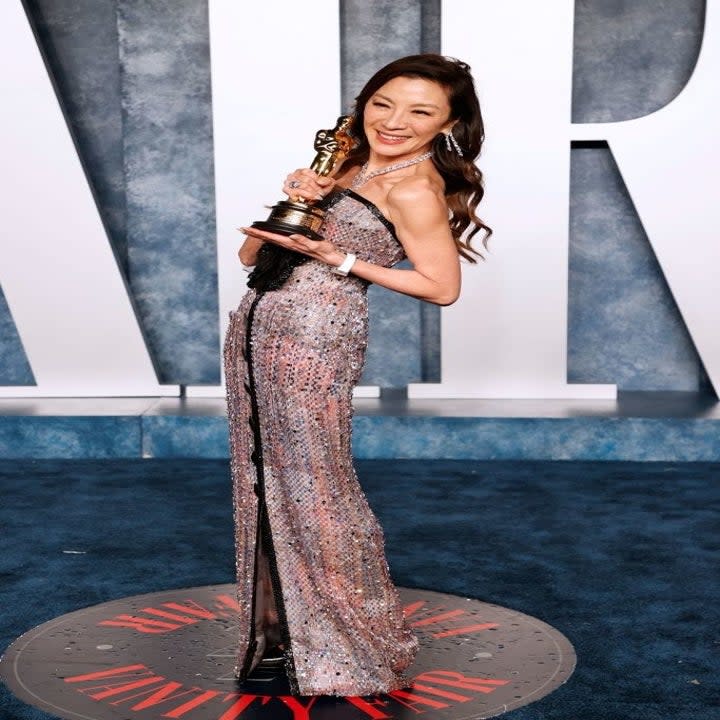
x,y
361,178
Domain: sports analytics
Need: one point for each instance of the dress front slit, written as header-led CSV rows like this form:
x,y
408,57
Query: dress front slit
x,y
268,612
310,558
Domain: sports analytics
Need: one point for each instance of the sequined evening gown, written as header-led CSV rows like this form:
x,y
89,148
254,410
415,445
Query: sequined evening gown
x,y
311,566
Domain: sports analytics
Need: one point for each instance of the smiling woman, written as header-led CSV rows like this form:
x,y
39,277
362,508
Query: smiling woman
x,y
418,91
313,583
405,115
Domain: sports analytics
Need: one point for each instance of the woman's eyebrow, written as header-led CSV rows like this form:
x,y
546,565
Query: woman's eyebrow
x,y
431,105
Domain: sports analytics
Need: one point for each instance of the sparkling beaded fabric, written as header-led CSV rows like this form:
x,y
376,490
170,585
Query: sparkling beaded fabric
x,y
311,566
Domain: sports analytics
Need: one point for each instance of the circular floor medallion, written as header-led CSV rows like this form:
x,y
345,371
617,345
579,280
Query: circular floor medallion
x,y
171,654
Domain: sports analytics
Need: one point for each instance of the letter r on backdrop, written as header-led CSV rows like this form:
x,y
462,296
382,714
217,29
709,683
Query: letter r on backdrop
x,y
507,335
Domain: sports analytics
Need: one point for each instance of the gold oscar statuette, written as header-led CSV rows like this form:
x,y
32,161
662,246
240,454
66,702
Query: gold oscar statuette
x,y
299,216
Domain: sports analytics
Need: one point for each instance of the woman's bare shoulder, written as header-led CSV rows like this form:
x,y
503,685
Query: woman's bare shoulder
x,y
419,188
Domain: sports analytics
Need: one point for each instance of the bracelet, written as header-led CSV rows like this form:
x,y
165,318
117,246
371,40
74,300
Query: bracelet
x,y
345,266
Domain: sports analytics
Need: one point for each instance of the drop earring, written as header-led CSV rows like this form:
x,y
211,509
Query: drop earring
x,y
452,144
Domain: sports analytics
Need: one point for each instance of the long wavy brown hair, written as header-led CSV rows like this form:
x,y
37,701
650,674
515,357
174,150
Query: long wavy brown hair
x,y
463,180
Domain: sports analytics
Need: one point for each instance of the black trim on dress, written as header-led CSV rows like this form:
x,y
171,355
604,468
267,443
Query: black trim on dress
x,y
263,524
374,209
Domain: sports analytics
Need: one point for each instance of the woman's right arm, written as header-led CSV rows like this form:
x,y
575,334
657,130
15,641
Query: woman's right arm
x,y
249,249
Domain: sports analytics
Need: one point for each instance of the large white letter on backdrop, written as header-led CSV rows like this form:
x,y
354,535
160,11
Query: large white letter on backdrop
x,y
275,83
57,269
507,335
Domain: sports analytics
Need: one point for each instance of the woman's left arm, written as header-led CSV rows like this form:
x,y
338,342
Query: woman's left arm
x,y
419,213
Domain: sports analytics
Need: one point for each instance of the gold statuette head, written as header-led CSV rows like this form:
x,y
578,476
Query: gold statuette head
x,y
332,146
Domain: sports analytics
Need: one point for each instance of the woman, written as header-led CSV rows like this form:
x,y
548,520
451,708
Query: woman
x,y
313,580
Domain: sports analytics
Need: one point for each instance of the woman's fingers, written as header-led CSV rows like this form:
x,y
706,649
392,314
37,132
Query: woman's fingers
x,y
322,250
307,184
295,242
292,242
265,235
319,249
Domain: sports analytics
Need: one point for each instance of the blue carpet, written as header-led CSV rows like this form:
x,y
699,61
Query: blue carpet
x,y
620,557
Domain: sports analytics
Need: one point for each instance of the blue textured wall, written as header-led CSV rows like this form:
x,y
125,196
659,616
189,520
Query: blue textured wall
x,y
632,57
14,367
133,76
167,119
624,326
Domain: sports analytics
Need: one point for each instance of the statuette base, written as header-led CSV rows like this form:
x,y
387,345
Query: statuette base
x,y
290,218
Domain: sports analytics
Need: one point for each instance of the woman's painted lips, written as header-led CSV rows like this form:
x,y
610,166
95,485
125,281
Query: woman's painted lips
x,y
390,139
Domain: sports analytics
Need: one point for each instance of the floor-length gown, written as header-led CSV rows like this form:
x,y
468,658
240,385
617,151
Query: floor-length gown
x,y
311,567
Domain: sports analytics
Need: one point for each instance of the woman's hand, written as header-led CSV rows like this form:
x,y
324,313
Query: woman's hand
x,y
321,250
303,184
307,184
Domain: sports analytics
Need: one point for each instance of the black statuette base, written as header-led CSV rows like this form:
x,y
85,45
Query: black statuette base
x,y
289,218
282,228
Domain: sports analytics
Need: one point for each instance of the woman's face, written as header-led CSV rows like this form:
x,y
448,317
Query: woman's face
x,y
403,117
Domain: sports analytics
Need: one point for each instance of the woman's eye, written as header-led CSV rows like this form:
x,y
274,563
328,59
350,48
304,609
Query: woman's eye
x,y
377,103
421,112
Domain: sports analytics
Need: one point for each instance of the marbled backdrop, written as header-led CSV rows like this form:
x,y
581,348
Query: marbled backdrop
x,y
133,76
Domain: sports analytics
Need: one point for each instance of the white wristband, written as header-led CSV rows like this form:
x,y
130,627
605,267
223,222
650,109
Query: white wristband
x,y
345,266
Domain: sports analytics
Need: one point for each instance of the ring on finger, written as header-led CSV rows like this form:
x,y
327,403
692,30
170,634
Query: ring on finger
x,y
294,184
